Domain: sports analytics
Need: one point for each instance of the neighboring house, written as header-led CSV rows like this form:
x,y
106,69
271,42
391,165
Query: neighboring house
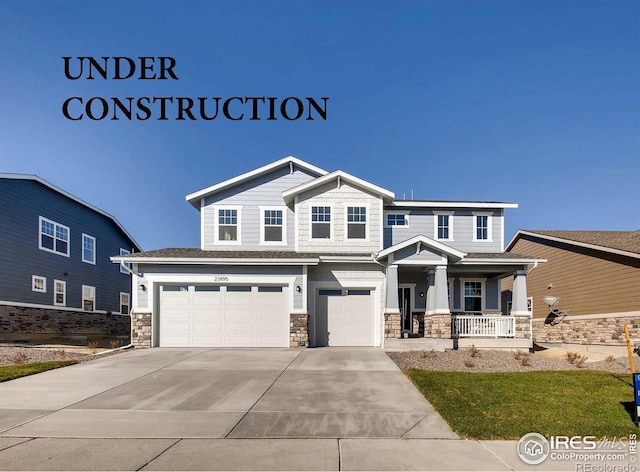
x,y
56,277
596,275
293,255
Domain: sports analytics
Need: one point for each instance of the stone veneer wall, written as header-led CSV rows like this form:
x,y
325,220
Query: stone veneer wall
x,y
299,330
523,327
437,326
392,328
141,329
604,330
17,323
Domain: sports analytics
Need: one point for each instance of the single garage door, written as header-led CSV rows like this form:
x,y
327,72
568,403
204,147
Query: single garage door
x,y
224,316
344,317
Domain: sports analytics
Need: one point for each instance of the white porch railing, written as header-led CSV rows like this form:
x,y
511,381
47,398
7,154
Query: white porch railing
x,y
469,326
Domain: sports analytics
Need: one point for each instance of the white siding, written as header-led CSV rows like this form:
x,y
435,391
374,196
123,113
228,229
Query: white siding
x,y
339,198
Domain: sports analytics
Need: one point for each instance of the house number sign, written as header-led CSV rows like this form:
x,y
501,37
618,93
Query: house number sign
x,y
220,278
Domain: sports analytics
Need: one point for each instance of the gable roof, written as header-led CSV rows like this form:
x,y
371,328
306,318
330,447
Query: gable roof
x,y
338,174
626,243
194,197
41,181
421,239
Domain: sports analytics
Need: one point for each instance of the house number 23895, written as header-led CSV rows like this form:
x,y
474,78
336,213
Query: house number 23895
x,y
220,278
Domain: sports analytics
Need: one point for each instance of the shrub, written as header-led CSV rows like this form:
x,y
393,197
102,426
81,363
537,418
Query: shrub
x,y
19,358
93,345
115,343
60,354
469,363
474,351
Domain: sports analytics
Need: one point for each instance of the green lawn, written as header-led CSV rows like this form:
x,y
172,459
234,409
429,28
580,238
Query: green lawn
x,y
509,405
8,372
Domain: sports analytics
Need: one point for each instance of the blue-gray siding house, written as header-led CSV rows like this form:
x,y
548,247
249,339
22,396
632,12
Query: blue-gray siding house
x,y
293,255
55,251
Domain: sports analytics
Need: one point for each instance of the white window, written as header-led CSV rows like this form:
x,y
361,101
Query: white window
x,y
356,222
59,292
443,225
88,298
396,219
124,303
529,305
227,225
88,249
273,226
38,284
54,237
320,222
472,295
123,266
482,227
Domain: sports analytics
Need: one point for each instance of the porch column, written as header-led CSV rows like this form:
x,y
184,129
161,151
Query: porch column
x,y
441,296
392,303
519,294
431,292
392,324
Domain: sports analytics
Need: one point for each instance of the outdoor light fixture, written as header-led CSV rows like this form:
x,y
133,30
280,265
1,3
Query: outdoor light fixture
x,y
421,294
142,287
298,288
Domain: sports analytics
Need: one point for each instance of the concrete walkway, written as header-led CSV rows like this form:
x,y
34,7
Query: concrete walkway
x,y
241,409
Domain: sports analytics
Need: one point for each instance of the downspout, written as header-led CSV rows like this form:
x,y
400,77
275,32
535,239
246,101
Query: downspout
x,y
535,264
385,290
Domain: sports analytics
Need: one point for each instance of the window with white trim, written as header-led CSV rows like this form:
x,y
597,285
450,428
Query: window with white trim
x,y
320,222
356,222
482,227
38,284
88,298
54,237
125,265
273,226
397,219
227,224
443,226
124,303
59,292
472,295
88,249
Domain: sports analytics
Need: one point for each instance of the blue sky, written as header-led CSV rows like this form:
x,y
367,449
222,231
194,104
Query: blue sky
x,y
536,102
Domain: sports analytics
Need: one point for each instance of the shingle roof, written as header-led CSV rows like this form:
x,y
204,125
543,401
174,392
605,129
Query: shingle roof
x,y
197,253
628,241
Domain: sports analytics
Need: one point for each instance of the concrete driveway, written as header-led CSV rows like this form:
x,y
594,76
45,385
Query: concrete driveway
x,y
222,393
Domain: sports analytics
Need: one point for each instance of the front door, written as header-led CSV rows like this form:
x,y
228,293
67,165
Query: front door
x,y
404,298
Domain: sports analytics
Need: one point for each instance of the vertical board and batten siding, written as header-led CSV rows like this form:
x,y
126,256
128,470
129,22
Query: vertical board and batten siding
x,y
257,271
23,202
587,281
262,191
339,198
422,220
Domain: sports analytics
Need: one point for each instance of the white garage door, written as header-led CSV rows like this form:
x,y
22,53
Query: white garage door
x,y
224,316
344,317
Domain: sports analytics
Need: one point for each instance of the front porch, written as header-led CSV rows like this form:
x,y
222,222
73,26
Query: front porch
x,y
438,293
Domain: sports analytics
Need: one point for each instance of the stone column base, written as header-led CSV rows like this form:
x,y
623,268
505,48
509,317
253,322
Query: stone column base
x,y
141,329
437,326
392,325
299,330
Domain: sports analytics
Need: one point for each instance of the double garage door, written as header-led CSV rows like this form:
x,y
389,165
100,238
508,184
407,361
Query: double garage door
x,y
224,316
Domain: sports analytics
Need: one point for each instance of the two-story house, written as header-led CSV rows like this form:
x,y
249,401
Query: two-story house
x,y
293,255
56,278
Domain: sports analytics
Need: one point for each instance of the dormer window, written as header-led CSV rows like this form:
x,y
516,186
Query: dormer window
x,y
356,222
397,219
321,222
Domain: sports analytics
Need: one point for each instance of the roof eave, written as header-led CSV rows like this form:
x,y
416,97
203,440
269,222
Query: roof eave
x,y
214,261
452,204
194,197
596,247
42,181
